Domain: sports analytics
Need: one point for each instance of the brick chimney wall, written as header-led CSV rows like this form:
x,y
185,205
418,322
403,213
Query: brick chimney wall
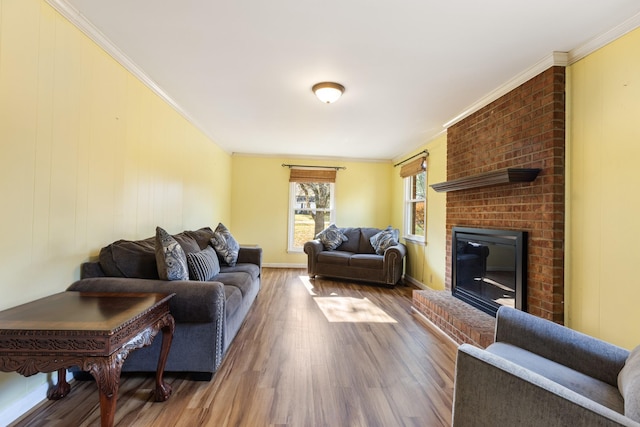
x,y
523,129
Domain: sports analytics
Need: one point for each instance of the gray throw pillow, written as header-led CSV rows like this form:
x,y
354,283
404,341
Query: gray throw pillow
x,y
225,245
203,265
331,237
629,385
384,239
170,257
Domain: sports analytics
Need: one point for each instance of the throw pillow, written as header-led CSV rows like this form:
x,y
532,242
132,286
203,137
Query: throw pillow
x,y
170,257
384,239
203,265
225,245
331,237
629,385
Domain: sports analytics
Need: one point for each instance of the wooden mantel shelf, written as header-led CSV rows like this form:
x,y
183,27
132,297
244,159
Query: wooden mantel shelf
x,y
503,176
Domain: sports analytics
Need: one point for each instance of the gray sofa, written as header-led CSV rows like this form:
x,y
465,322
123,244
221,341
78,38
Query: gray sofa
x,y
356,259
208,314
539,373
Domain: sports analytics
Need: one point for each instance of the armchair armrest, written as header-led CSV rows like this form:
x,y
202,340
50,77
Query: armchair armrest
x,y
490,390
194,301
568,347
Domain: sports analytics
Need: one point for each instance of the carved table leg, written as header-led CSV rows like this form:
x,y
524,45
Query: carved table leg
x,y
163,390
106,372
61,389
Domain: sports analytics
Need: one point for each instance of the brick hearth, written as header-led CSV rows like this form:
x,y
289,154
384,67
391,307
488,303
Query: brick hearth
x,y
522,129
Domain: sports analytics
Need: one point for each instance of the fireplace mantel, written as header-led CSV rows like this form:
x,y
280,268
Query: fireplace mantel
x,y
502,176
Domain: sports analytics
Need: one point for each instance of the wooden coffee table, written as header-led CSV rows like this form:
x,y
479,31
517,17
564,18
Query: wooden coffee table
x,y
94,331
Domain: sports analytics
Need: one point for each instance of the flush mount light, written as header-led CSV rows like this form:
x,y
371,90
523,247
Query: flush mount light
x,y
328,92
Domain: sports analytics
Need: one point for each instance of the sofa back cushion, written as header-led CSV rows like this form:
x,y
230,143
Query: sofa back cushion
x,y
136,258
365,240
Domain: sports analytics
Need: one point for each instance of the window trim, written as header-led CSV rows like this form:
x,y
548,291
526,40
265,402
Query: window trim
x,y
291,213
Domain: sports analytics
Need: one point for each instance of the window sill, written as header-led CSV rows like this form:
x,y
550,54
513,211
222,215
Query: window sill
x,y
415,240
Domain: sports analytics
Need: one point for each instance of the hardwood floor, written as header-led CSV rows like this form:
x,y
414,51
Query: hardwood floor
x,y
367,362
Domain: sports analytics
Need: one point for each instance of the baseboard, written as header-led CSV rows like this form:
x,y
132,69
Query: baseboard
x,y
24,404
415,282
283,265
432,326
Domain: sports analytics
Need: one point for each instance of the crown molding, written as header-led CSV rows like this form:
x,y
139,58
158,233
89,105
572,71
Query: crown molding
x,y
562,59
551,60
83,24
604,39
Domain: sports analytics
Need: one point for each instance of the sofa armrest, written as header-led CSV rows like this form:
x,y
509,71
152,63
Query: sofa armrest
x,y
250,255
393,262
312,248
490,390
194,301
568,347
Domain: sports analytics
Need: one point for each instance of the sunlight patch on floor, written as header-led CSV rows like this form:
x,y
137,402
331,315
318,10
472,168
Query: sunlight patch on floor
x,y
307,284
347,309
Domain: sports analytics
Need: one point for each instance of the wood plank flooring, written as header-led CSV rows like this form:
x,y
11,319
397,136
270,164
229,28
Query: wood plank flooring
x,y
310,353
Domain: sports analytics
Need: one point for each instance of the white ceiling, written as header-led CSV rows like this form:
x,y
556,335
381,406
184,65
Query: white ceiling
x,y
242,70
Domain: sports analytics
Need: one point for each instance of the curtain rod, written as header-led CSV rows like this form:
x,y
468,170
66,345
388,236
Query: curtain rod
x,y
412,157
313,166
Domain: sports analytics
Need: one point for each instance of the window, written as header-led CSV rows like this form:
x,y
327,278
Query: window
x,y
311,205
415,196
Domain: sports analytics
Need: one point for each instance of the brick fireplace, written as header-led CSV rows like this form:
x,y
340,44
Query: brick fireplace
x,y
523,129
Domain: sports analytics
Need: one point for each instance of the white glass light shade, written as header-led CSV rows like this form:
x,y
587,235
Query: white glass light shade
x,y
328,92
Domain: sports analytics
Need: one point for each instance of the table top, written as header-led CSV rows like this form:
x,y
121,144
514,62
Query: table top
x,y
80,311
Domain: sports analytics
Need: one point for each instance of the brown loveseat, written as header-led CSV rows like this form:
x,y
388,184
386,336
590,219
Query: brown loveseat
x,y
356,258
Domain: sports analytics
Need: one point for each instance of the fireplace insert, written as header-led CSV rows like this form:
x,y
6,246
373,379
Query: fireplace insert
x,y
489,268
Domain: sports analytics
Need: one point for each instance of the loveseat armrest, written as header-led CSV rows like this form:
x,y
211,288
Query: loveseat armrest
x,y
393,263
194,302
583,353
490,391
250,255
312,248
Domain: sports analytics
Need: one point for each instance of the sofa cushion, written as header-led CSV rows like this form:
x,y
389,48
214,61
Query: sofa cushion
x,y
367,261
352,244
331,237
127,258
203,265
384,239
334,257
170,257
225,245
239,279
233,300
202,236
629,385
251,269
591,388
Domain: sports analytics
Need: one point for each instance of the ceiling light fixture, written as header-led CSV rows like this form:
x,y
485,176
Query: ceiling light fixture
x,y
328,92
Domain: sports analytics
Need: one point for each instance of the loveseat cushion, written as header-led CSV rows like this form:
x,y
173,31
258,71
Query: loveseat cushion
x,y
334,257
372,261
591,388
384,239
233,300
366,233
352,244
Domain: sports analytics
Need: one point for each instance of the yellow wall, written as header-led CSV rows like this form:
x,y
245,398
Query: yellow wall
x,y
425,263
260,201
88,155
603,286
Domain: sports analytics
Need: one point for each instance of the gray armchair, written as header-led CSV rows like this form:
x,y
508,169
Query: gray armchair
x,y
539,373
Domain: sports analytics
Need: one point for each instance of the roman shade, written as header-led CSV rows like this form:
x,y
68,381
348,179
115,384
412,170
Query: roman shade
x,y
312,175
414,167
